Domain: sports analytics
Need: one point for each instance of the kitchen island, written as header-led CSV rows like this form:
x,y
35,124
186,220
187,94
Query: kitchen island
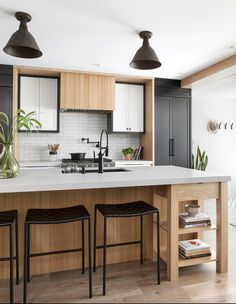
x,y
166,187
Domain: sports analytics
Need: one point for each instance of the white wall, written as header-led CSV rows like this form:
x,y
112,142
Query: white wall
x,y
74,126
217,102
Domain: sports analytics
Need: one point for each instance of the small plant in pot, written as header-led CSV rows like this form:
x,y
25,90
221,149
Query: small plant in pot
x,y
9,166
200,161
128,153
53,148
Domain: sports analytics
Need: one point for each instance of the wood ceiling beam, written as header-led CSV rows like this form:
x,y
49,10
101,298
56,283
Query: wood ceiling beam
x,y
213,69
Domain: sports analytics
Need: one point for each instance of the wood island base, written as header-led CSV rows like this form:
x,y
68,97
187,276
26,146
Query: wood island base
x,y
169,198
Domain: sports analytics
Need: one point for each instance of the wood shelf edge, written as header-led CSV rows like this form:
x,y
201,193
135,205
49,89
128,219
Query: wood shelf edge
x,y
163,225
197,229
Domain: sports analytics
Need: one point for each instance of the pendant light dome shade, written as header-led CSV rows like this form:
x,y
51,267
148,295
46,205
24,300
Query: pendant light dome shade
x,y
22,44
145,57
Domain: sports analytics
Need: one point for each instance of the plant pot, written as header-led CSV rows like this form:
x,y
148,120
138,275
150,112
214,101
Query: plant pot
x,y
53,156
128,156
9,166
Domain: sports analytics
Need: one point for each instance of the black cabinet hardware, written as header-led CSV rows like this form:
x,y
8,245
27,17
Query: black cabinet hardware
x,y
171,147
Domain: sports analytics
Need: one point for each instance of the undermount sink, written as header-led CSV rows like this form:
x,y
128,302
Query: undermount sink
x,y
95,170
105,170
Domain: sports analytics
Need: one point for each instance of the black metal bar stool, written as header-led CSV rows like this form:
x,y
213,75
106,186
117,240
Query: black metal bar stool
x,y
10,219
138,208
56,216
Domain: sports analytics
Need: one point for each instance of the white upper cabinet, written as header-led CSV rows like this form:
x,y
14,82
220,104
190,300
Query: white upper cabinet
x,y
129,108
48,111
120,115
136,107
29,94
40,94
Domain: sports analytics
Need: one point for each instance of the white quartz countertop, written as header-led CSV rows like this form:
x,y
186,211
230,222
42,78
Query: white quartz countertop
x,y
50,179
133,162
40,163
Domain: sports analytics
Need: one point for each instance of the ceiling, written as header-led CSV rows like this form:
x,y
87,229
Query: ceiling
x,y
102,35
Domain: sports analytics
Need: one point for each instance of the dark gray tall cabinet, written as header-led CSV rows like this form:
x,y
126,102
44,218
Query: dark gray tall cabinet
x,y
172,123
6,88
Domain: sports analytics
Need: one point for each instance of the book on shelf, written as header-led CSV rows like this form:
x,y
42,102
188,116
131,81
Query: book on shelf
x,y
135,153
192,254
184,217
195,224
192,249
201,219
193,245
138,153
195,256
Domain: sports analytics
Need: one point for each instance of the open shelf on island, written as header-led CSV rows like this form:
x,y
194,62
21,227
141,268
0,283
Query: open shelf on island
x,y
197,229
196,261
163,225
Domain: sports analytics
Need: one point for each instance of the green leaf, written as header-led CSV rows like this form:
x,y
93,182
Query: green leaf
x,y
2,138
206,162
203,155
4,118
20,111
192,161
31,114
198,152
197,161
36,122
26,126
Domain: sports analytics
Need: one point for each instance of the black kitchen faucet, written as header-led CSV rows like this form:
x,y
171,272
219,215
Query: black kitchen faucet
x,y
103,150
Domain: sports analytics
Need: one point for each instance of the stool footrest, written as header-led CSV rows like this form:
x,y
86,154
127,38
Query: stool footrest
x,y
119,244
55,252
6,259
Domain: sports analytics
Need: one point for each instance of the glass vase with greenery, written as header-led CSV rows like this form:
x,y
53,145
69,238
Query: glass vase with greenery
x,y
9,166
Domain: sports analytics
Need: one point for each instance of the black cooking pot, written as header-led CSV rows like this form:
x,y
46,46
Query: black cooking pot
x,y
77,156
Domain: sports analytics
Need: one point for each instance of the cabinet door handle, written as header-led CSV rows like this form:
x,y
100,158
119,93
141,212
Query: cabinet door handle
x,y
171,147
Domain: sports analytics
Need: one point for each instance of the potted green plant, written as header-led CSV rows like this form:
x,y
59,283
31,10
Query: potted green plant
x,y
128,153
200,162
9,166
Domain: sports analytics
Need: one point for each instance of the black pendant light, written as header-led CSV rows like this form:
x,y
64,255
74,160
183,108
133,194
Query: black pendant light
x,y
145,57
22,43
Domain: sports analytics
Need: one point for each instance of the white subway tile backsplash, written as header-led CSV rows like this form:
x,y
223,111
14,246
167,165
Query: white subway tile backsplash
x,y
74,126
